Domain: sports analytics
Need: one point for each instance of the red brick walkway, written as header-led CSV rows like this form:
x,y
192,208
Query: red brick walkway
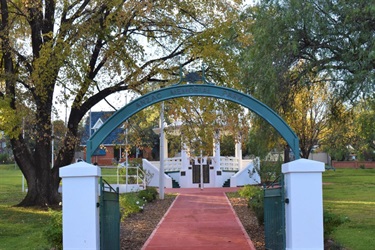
x,y
199,219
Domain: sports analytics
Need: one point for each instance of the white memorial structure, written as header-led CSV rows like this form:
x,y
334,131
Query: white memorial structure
x,y
188,171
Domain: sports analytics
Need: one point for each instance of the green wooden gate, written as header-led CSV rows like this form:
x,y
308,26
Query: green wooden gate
x,y
274,217
109,217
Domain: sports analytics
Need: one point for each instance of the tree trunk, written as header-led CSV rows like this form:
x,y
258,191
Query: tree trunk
x,y
42,191
286,154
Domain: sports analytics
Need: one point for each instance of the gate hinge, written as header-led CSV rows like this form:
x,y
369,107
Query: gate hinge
x,y
287,200
97,204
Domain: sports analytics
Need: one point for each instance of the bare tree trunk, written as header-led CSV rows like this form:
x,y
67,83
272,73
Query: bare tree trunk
x,y
286,154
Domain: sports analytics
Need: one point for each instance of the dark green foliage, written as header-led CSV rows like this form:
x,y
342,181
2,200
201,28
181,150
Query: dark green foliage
x,y
227,146
153,191
269,171
130,203
147,196
256,203
331,222
5,159
255,197
248,191
53,231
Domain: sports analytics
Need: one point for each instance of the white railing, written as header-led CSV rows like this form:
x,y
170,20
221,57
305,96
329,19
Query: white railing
x,y
175,163
123,179
172,164
139,176
229,163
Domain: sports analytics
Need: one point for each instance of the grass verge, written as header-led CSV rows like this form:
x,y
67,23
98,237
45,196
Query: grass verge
x,y
351,193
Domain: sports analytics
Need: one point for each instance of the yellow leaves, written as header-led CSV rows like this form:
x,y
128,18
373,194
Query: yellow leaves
x,y
10,120
47,66
32,4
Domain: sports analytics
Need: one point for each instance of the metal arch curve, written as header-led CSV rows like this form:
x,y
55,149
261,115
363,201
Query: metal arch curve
x,y
186,90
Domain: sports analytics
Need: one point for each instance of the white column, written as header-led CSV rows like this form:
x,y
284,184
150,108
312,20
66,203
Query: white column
x,y
304,209
216,151
238,151
184,157
80,196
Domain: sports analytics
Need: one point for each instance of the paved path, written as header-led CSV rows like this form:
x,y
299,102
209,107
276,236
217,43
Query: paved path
x,y
200,220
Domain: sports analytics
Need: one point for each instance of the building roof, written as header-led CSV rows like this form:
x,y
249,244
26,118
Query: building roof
x,y
97,119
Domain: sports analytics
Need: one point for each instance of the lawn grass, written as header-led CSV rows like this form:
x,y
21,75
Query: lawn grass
x,y
110,175
347,192
20,228
351,193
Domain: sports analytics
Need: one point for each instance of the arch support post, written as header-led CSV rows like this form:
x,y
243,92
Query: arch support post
x,y
304,204
162,153
80,197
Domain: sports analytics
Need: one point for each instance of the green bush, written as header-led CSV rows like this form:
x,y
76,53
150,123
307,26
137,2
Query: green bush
x,y
53,231
130,203
248,191
331,221
149,194
145,195
153,191
256,203
255,198
5,158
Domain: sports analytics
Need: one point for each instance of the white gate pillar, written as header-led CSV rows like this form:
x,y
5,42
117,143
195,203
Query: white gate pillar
x,y
80,196
304,204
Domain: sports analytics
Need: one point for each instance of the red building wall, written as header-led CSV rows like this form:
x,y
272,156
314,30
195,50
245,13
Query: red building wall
x,y
353,164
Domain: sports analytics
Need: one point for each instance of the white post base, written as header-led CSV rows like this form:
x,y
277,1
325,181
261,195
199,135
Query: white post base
x,y
80,196
304,211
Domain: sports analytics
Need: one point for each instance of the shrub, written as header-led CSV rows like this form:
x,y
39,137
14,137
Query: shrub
x,y
130,203
255,198
149,194
145,195
153,191
5,158
53,231
256,203
248,191
331,221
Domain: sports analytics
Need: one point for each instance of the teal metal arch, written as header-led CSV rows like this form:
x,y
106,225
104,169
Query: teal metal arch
x,y
186,90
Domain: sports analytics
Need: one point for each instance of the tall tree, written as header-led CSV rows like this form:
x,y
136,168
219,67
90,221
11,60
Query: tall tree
x,y
309,116
198,119
364,123
91,49
334,38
